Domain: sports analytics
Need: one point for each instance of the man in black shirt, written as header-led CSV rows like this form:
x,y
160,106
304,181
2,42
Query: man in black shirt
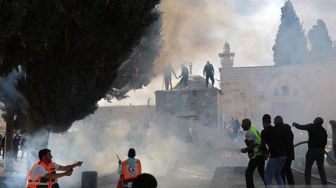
x,y
289,139
316,147
209,72
273,139
184,77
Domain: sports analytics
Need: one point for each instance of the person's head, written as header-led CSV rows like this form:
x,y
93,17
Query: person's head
x,y
278,120
246,124
266,119
131,153
145,181
45,155
318,121
208,62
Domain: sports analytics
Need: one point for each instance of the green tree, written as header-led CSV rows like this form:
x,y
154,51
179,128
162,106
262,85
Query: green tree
x,y
290,44
69,52
321,44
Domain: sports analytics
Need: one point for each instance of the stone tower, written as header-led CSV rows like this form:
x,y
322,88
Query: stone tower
x,y
226,56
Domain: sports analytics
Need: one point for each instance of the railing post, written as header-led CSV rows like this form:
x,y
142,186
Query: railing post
x,y
333,129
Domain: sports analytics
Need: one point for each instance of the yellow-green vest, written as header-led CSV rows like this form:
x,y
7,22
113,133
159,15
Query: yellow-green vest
x,y
256,149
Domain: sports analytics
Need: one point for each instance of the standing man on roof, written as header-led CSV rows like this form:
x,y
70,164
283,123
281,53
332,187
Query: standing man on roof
x,y
209,72
257,159
184,77
167,73
43,174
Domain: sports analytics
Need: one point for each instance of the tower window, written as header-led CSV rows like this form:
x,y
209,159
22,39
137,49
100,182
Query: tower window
x,y
285,90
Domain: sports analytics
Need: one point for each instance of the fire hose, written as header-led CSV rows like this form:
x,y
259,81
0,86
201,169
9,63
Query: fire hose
x,y
329,180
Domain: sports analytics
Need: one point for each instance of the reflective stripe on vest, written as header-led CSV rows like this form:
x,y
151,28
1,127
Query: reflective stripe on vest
x,y
40,181
256,149
131,171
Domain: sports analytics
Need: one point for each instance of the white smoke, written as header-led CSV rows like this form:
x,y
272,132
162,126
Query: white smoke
x,y
161,143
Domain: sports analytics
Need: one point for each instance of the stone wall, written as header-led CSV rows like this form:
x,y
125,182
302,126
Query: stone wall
x,y
199,104
298,92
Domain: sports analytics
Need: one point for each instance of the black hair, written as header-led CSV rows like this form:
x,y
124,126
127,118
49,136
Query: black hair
x,y
145,181
246,122
266,118
278,120
131,153
43,152
318,120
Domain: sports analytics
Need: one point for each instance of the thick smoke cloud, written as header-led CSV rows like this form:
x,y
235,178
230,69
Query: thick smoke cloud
x,y
161,141
195,31
137,71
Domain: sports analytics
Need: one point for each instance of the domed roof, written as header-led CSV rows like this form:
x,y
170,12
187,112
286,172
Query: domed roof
x,y
195,82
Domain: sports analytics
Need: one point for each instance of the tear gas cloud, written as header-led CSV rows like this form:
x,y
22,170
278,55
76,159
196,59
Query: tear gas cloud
x,y
161,143
194,31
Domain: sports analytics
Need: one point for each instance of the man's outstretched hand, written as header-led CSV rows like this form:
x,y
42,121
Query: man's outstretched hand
x,y
78,163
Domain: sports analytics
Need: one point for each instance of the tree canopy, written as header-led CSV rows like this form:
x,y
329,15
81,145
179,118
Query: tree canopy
x,y
69,52
322,50
290,44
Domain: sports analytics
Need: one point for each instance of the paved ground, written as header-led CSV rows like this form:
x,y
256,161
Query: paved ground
x,y
234,177
228,173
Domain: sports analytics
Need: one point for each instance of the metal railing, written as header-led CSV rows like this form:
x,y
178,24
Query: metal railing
x,y
330,160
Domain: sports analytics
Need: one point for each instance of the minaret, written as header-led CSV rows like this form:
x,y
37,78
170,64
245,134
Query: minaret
x,y
226,56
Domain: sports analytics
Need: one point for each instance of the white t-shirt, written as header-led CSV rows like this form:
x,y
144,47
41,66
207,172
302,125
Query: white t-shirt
x,y
250,136
39,170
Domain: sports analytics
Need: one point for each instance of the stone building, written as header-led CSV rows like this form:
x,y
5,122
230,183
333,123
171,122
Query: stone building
x,y
297,92
196,102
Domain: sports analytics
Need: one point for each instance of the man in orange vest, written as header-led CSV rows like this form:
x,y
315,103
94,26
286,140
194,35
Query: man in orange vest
x,y
43,173
129,169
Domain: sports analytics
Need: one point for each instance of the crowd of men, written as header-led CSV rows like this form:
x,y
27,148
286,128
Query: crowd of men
x,y
208,72
19,143
275,144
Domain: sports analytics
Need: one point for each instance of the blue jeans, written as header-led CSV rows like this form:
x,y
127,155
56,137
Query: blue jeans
x,y
273,169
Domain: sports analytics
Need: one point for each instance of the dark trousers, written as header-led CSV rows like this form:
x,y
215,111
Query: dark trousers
x,y
258,162
184,82
312,156
211,76
168,83
287,173
15,152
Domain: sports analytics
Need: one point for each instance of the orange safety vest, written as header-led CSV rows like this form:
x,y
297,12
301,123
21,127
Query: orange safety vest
x,y
131,171
42,182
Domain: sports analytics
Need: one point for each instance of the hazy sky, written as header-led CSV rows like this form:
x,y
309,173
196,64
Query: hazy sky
x,y
195,31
